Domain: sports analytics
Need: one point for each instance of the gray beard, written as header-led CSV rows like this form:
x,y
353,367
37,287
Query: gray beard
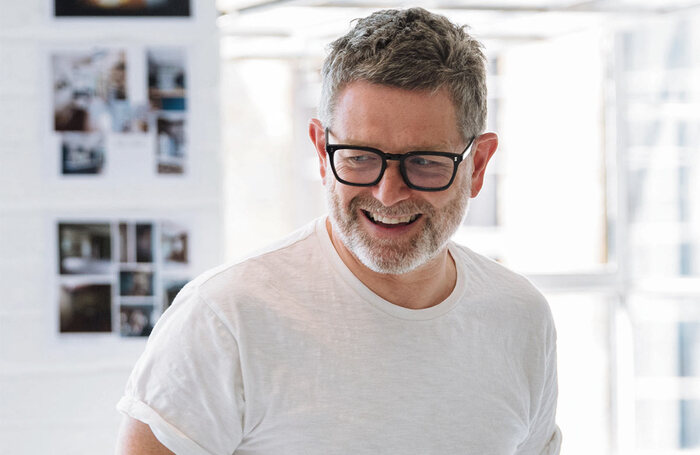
x,y
391,257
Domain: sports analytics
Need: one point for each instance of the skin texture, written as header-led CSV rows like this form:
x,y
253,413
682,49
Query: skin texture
x,y
397,121
136,438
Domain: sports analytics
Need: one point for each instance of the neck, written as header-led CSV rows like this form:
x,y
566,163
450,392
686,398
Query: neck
x,y
426,286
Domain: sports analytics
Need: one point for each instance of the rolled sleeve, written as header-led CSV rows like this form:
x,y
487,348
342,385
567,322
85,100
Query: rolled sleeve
x,y
187,385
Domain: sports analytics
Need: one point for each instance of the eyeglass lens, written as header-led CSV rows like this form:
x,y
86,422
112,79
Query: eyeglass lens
x,y
363,167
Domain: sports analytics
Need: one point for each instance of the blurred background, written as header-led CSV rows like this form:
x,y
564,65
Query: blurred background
x,y
141,145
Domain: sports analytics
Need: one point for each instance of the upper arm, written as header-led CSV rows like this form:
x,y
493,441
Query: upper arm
x,y
135,438
187,385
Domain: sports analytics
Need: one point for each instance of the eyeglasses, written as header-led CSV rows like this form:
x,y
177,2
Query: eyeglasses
x,y
421,170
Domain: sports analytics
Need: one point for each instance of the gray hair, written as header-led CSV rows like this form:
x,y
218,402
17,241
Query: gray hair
x,y
410,49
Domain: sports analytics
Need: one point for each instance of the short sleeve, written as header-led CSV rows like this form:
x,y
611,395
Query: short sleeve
x,y
187,385
545,437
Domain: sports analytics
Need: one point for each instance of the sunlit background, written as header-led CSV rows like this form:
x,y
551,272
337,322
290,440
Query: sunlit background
x,y
594,194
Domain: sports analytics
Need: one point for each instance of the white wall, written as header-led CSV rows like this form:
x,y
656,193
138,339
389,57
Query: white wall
x,y
57,392
272,183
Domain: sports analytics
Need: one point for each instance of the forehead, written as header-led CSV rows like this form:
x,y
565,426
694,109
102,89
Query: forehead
x,y
393,118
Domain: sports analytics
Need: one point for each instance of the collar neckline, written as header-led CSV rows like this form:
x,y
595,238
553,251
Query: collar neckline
x,y
384,305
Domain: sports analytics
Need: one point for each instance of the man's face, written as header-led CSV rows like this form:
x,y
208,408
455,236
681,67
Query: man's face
x,y
389,227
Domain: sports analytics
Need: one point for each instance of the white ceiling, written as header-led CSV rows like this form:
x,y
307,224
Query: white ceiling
x,y
293,28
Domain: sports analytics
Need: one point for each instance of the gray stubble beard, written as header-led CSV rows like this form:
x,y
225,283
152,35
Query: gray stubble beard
x,y
387,257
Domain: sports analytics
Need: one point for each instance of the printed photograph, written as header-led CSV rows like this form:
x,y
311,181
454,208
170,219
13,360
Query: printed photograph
x,y
171,287
174,240
90,91
84,248
121,8
170,127
86,308
135,283
136,320
136,242
82,153
166,78
124,243
144,242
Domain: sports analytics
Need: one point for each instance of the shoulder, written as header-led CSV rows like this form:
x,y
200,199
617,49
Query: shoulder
x,y
485,272
293,247
256,277
501,289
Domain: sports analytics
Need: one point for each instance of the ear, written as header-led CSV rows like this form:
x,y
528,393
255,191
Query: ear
x,y
484,148
318,136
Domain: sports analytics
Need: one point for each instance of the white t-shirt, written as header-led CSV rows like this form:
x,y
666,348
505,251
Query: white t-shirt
x,y
289,353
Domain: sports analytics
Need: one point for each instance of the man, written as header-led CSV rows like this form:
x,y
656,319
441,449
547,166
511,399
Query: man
x,y
367,332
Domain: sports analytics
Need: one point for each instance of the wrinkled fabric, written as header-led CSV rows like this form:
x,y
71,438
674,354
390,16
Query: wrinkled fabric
x,y
288,352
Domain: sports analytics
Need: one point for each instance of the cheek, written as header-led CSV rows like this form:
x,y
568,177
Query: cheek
x,y
438,199
343,194
448,198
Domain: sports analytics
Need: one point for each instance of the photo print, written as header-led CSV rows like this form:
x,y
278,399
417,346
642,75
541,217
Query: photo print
x,y
174,244
144,242
171,287
84,248
170,154
85,307
166,78
90,91
167,98
136,242
136,320
122,8
82,153
138,282
124,241
135,283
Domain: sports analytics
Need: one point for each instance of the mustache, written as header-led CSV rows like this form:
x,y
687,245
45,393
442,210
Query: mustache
x,y
403,208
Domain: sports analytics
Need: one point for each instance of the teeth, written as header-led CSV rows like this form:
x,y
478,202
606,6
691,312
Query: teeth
x,y
387,220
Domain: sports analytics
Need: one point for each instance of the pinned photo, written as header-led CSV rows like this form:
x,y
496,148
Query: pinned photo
x,y
171,288
82,153
121,8
136,242
90,91
84,248
135,283
85,307
166,78
170,128
124,253
174,243
144,242
136,320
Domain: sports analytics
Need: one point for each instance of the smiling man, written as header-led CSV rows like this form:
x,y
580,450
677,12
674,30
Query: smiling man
x,y
368,331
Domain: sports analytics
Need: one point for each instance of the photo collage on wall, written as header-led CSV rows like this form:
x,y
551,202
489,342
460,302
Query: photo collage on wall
x,y
104,120
119,276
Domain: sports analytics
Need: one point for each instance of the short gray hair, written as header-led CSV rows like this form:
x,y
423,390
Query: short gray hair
x,y
411,49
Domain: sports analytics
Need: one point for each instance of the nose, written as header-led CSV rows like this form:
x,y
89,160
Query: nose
x,y
391,188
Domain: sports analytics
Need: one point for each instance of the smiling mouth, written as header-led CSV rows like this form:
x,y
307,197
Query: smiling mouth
x,y
388,221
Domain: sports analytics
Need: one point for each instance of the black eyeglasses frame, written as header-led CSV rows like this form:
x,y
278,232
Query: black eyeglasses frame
x,y
401,158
